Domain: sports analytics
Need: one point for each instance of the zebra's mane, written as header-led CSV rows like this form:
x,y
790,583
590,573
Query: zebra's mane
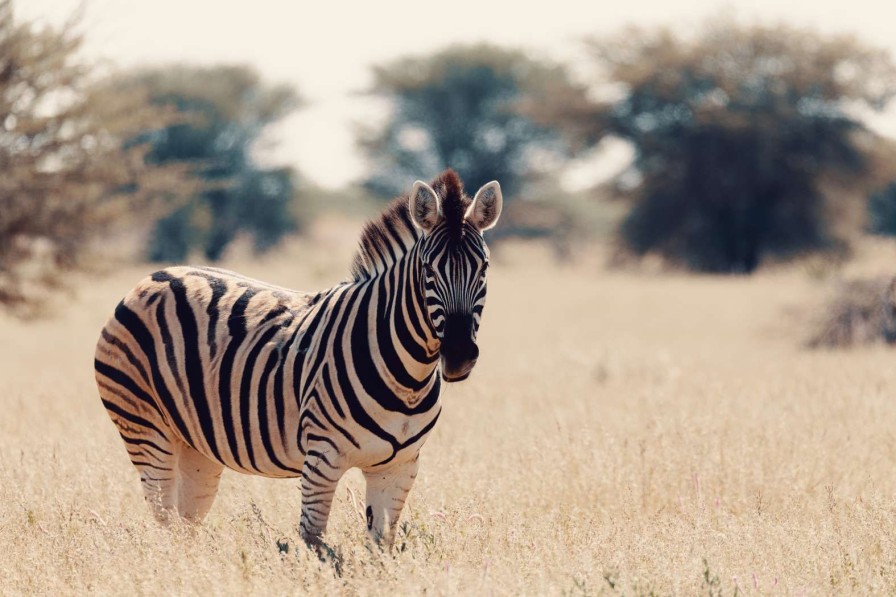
x,y
387,238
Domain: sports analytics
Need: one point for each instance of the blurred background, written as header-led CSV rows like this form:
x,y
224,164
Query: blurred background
x,y
700,213
719,138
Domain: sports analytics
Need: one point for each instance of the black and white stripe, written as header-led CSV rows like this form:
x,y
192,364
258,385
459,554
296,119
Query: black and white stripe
x,y
202,368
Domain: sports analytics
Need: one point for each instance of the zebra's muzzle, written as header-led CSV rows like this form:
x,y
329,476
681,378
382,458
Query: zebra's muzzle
x,y
453,376
459,352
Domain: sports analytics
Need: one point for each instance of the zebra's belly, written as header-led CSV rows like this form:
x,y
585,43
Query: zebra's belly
x,y
244,427
250,425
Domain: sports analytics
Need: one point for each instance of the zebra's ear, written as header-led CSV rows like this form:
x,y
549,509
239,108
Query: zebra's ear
x,y
485,209
426,209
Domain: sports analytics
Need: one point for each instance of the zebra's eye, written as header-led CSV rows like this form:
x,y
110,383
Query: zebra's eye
x,y
429,271
483,268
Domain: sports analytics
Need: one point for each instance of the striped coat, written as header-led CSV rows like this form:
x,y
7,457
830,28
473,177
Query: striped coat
x,y
202,369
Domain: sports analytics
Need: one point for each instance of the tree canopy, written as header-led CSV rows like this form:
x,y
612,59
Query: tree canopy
x,y
223,112
68,176
459,108
746,138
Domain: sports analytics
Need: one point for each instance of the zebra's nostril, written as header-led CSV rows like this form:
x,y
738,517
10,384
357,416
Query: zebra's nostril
x,y
457,345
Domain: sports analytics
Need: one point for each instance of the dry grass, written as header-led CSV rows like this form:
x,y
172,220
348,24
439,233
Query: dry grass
x,y
623,433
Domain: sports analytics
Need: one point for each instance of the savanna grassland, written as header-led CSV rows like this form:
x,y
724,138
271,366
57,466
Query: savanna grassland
x,y
624,432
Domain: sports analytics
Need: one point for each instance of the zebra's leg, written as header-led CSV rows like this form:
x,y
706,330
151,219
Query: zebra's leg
x,y
150,443
151,452
198,479
155,458
387,490
320,475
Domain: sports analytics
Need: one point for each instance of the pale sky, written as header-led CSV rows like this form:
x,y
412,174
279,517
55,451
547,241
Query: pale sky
x,y
325,49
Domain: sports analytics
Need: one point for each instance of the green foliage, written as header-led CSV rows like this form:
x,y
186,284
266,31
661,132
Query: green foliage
x,y
882,211
460,108
741,134
223,111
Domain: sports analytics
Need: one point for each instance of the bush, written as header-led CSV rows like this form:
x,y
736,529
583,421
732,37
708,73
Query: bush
x,y
882,211
861,312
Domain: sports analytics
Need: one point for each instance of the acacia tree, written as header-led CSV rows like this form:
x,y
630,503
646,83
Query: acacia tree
x,y
460,108
223,110
746,141
67,176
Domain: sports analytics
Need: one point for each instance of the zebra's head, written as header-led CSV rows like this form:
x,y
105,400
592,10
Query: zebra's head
x,y
452,265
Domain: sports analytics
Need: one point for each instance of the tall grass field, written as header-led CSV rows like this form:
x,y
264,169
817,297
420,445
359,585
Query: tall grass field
x,y
625,432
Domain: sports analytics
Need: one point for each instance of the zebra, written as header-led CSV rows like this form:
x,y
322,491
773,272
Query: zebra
x,y
201,368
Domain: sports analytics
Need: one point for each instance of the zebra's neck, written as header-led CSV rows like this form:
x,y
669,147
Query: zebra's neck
x,y
402,335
